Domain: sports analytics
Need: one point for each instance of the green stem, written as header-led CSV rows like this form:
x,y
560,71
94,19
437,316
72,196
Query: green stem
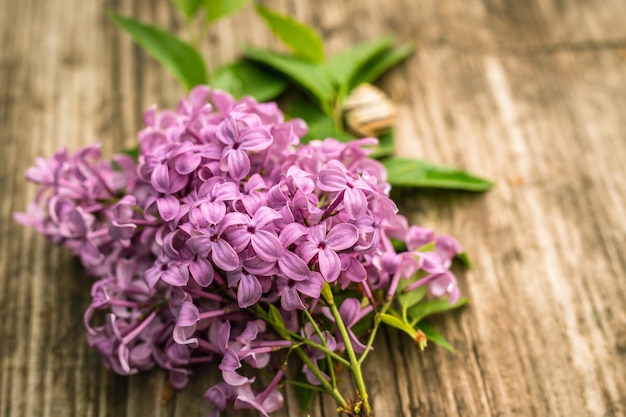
x,y
377,322
333,391
282,329
304,385
331,368
355,365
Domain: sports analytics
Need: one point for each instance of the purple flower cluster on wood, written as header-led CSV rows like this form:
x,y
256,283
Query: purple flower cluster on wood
x,y
225,210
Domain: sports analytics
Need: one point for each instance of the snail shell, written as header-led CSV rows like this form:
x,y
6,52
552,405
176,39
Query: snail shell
x,y
367,111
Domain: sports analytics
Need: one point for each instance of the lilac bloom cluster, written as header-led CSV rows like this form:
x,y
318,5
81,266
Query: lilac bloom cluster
x,y
223,213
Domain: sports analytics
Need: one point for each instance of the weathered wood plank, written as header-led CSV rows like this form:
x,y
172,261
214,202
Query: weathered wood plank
x,y
532,94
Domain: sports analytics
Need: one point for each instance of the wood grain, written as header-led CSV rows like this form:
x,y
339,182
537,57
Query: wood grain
x,y
529,93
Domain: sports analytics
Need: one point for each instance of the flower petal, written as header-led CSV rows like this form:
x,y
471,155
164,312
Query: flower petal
x,y
238,164
227,191
219,394
223,336
290,300
330,265
307,250
234,219
181,335
188,314
255,139
200,244
291,233
264,215
355,203
224,255
168,207
342,236
331,180
266,245
176,276
227,131
179,378
292,266
202,272
349,310
312,286
160,178
187,163
355,272
213,211
249,291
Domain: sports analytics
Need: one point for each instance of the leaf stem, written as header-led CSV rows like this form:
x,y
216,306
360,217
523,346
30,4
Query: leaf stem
x,y
331,368
377,322
355,365
333,391
280,328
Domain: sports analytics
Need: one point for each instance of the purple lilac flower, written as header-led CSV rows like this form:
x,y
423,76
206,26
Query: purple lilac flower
x,y
224,211
325,245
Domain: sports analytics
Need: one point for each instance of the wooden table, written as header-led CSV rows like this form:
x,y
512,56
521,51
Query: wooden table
x,y
529,93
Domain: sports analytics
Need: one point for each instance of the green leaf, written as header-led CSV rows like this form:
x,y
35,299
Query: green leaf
x,y
132,152
300,38
398,245
244,78
311,77
304,394
321,126
216,9
465,260
434,336
376,67
177,56
428,308
345,65
411,298
276,320
188,8
396,322
385,146
416,173
427,247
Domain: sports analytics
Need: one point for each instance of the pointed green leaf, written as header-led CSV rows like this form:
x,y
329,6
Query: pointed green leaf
x,y
385,146
396,322
177,56
300,38
311,77
416,173
276,320
321,126
132,152
245,78
465,260
346,64
216,9
376,67
427,247
428,308
409,299
188,8
434,336
398,245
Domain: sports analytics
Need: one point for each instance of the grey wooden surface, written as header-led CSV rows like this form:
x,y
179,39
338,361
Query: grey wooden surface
x,y
529,93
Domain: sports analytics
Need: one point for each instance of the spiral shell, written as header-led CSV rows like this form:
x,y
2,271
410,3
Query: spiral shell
x,y
367,111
